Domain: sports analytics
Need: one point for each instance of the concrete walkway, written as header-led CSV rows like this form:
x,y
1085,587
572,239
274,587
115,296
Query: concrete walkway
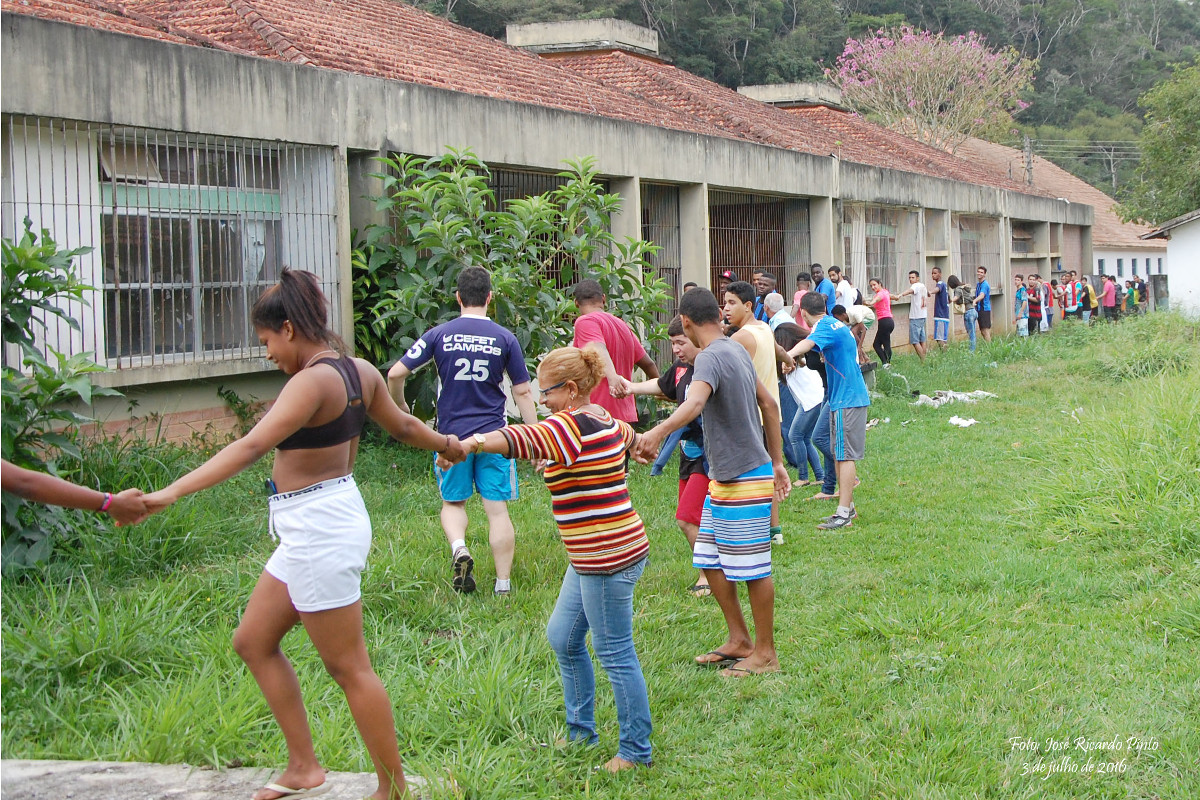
x,y
111,780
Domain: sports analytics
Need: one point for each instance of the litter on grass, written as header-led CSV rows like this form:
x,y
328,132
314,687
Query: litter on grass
x,y
942,397
877,420
963,423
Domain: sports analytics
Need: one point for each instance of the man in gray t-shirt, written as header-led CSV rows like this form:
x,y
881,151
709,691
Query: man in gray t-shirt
x,y
731,411
734,542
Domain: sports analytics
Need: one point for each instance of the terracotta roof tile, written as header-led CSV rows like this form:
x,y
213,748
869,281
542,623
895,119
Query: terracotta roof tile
x,y
111,16
393,40
1107,228
817,130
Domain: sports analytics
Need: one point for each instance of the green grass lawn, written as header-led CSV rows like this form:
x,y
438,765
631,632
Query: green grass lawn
x,y
1032,581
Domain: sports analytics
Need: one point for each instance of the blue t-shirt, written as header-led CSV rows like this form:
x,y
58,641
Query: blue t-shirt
x,y
825,287
846,386
1020,308
941,302
986,303
471,354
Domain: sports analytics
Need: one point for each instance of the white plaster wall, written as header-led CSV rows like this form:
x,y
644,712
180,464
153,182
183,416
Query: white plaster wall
x,y
1110,262
51,175
1183,249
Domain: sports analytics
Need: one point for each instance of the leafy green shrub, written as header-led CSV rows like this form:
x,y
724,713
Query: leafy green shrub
x,y
444,218
38,421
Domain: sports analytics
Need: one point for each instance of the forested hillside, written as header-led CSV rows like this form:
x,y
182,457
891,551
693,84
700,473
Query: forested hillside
x,y
1096,56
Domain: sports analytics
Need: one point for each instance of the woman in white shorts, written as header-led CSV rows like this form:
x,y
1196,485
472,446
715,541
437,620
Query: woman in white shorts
x,y
322,525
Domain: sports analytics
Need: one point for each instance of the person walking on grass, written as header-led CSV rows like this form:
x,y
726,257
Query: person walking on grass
x,y
1036,302
859,320
918,312
983,304
472,355
324,532
605,539
765,354
941,308
734,541
693,468
964,298
619,349
125,508
804,388
848,403
881,306
1020,306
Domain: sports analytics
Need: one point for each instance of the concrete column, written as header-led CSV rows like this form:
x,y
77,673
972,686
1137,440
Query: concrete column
x,y
363,189
693,235
345,282
627,223
823,227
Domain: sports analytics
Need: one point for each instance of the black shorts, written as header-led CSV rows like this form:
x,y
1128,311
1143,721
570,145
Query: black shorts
x,y
985,320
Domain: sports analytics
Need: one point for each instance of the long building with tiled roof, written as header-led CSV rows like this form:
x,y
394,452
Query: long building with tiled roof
x,y
197,146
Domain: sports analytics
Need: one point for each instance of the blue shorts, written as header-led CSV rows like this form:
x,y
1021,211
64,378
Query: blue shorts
x,y
493,476
916,331
941,329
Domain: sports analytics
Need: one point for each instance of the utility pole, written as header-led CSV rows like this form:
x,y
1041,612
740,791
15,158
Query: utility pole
x,y
1028,148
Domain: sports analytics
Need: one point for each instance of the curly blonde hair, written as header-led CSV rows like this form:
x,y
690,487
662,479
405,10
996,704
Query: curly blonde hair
x,y
585,367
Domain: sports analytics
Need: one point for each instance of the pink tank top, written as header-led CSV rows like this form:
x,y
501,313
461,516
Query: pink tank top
x,y
883,304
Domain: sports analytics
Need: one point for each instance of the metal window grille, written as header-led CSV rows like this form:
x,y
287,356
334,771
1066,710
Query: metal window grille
x,y
660,226
186,232
510,184
880,242
749,232
978,245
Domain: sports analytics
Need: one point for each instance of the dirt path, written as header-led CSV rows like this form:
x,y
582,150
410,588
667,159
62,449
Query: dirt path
x,y
110,780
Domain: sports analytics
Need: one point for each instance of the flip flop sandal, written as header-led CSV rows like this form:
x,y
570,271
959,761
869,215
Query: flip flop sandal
x,y
700,590
724,660
288,793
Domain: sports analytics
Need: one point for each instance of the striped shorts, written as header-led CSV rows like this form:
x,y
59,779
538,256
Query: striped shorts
x,y
735,526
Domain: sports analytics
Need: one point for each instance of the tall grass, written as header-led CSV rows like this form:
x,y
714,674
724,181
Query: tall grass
x,y
1036,575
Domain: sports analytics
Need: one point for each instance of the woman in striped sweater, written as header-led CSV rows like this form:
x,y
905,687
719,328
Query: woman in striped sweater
x,y
606,543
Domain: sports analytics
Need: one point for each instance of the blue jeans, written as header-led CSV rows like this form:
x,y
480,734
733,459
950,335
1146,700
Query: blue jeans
x,y
823,441
969,319
799,438
668,449
603,604
787,412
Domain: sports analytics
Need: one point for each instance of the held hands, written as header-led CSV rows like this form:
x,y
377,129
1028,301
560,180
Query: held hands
x,y
455,452
128,507
621,387
783,482
646,446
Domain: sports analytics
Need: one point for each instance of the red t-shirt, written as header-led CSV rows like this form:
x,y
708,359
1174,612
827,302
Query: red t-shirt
x,y
623,348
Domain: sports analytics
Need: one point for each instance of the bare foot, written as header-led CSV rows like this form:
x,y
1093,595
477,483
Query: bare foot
x,y
398,791
294,781
823,496
725,653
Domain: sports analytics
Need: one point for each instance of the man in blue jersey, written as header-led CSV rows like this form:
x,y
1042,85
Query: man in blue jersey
x,y
824,286
983,303
472,355
941,309
848,400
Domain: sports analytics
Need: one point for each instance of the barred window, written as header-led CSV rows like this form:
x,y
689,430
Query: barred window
x,y
748,232
880,242
187,231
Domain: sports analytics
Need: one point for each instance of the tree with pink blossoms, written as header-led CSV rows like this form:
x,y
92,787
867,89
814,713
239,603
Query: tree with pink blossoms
x,y
938,90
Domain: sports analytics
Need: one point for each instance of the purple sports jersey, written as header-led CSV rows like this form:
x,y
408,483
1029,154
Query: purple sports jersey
x,y
471,354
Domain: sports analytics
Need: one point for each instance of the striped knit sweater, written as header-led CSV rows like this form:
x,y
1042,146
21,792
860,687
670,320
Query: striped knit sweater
x,y
586,478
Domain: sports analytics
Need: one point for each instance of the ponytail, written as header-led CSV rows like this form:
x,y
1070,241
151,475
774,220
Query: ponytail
x,y
297,299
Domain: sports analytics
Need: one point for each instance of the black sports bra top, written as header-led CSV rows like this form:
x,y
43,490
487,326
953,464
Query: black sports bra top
x,y
345,427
